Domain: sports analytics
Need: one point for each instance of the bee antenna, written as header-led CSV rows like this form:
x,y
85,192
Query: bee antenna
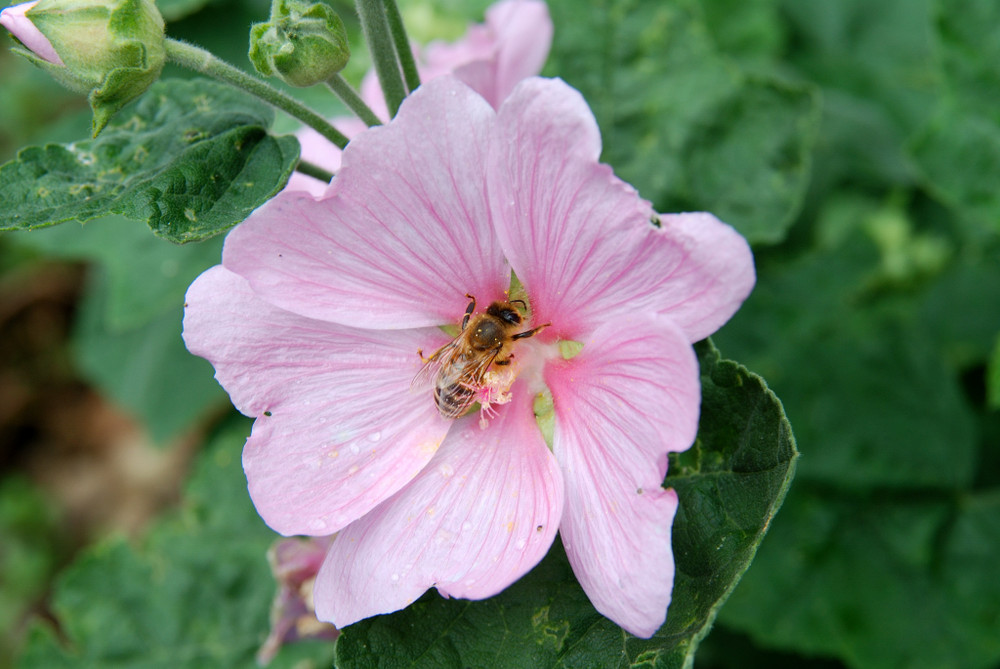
x,y
521,302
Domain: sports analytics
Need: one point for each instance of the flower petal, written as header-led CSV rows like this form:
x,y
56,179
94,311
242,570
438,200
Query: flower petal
x,y
15,20
581,240
477,518
492,59
403,233
621,405
338,429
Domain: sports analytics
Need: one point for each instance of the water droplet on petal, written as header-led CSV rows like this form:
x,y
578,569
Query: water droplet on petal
x,y
374,436
395,577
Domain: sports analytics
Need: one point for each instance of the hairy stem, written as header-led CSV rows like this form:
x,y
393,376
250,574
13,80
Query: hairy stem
x,y
402,42
200,60
375,25
350,97
314,171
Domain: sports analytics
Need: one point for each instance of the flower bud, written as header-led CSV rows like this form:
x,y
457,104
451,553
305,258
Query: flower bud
x,y
304,43
20,26
112,50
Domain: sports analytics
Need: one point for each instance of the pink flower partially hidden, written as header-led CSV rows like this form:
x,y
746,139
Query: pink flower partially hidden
x,y
15,20
315,318
295,563
491,58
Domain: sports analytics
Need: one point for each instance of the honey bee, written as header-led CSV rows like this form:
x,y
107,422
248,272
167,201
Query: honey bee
x,y
460,367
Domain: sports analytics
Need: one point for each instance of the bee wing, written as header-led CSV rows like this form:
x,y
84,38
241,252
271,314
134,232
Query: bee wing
x,y
465,371
426,375
472,375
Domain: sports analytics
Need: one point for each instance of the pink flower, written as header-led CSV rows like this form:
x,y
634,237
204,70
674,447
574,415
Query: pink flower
x,y
491,58
295,563
315,318
20,26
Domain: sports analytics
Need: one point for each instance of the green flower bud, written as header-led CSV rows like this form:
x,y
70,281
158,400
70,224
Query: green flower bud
x,y
304,43
112,50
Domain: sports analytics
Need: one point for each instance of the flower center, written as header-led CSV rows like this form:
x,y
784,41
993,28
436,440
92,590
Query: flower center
x,y
481,364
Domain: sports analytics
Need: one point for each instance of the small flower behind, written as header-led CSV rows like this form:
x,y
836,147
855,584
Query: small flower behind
x,y
317,316
294,563
491,57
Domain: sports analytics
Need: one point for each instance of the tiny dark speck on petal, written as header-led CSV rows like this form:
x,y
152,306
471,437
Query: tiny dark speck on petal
x,y
539,528
267,413
639,491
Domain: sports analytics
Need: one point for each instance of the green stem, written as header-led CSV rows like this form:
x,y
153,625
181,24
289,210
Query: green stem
x,y
200,60
350,97
375,26
314,171
403,50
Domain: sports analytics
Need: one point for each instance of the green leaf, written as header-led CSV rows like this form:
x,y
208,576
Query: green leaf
x,y
951,311
855,373
191,158
681,122
145,369
730,485
879,372
959,150
147,276
753,30
195,593
877,65
884,582
969,45
959,156
881,53
749,161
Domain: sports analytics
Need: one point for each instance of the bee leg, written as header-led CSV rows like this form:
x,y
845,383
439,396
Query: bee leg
x,y
469,310
420,352
530,333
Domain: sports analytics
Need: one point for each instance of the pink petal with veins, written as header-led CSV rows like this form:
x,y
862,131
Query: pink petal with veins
x,y
337,429
630,397
403,233
581,240
492,58
480,515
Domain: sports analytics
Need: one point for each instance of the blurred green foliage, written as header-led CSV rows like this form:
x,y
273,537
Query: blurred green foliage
x,y
194,593
31,552
857,144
